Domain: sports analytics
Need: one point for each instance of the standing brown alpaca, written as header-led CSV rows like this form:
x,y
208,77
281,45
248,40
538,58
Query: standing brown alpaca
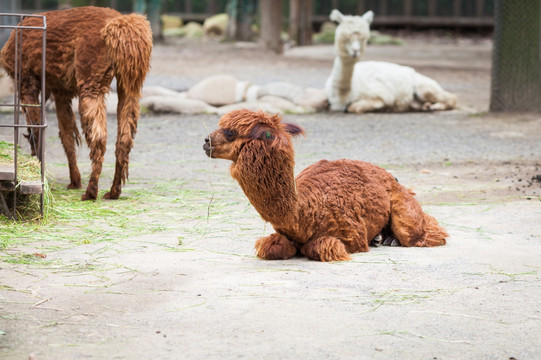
x,y
332,208
86,48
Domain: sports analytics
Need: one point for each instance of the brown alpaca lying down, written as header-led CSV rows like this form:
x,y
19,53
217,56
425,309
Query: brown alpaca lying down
x,y
332,208
86,48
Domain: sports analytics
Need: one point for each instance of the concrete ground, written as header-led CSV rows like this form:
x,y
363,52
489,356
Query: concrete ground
x,y
168,271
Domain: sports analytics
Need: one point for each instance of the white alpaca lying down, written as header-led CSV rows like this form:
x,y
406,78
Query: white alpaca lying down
x,y
376,85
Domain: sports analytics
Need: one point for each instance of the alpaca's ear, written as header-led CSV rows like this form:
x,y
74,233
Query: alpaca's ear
x,y
368,16
293,129
336,16
262,132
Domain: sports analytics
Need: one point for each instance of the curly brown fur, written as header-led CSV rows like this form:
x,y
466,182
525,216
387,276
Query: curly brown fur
x,y
276,247
332,208
86,48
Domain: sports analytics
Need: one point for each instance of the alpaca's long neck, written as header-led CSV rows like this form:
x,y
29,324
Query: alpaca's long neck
x,y
342,72
340,81
267,179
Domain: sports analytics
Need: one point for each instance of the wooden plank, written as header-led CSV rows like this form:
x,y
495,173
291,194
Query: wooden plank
x,y
30,187
7,173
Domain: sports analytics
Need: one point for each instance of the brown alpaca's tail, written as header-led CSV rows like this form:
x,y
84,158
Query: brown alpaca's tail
x,y
410,224
128,39
434,235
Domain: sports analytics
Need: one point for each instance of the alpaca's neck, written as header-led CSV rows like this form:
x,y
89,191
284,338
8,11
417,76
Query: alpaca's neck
x,y
342,72
267,179
340,81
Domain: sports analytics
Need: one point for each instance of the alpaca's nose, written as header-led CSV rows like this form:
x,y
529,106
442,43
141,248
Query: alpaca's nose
x,y
206,145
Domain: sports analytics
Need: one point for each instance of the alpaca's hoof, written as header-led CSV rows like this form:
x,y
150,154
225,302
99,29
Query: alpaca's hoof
x,y
377,241
391,241
88,196
74,186
388,241
111,196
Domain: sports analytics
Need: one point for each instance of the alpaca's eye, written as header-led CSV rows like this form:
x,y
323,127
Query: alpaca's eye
x,y
229,134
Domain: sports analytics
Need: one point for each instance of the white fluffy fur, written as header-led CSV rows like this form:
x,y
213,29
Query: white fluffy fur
x,y
375,85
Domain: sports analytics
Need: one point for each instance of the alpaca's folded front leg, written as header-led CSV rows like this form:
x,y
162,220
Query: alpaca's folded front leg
x,y
275,247
365,105
325,248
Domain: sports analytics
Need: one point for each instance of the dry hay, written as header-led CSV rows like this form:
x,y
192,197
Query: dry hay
x,y
28,169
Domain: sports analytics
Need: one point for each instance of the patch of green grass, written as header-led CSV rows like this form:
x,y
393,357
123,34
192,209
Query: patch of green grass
x,y
145,207
72,220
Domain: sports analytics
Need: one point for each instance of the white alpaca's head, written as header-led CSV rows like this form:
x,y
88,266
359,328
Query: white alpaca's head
x,y
351,34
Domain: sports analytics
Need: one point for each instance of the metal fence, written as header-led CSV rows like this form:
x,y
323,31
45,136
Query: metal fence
x,y
9,178
516,64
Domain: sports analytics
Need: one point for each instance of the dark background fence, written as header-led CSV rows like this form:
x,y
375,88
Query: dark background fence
x,y
392,13
7,6
516,63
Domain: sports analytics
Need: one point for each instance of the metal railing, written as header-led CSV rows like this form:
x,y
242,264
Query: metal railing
x,y
18,106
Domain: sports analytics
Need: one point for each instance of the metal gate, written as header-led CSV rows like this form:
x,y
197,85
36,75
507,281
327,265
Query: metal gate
x,y
8,176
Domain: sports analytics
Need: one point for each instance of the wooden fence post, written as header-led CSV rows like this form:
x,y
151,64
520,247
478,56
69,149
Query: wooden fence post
x,y
271,24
